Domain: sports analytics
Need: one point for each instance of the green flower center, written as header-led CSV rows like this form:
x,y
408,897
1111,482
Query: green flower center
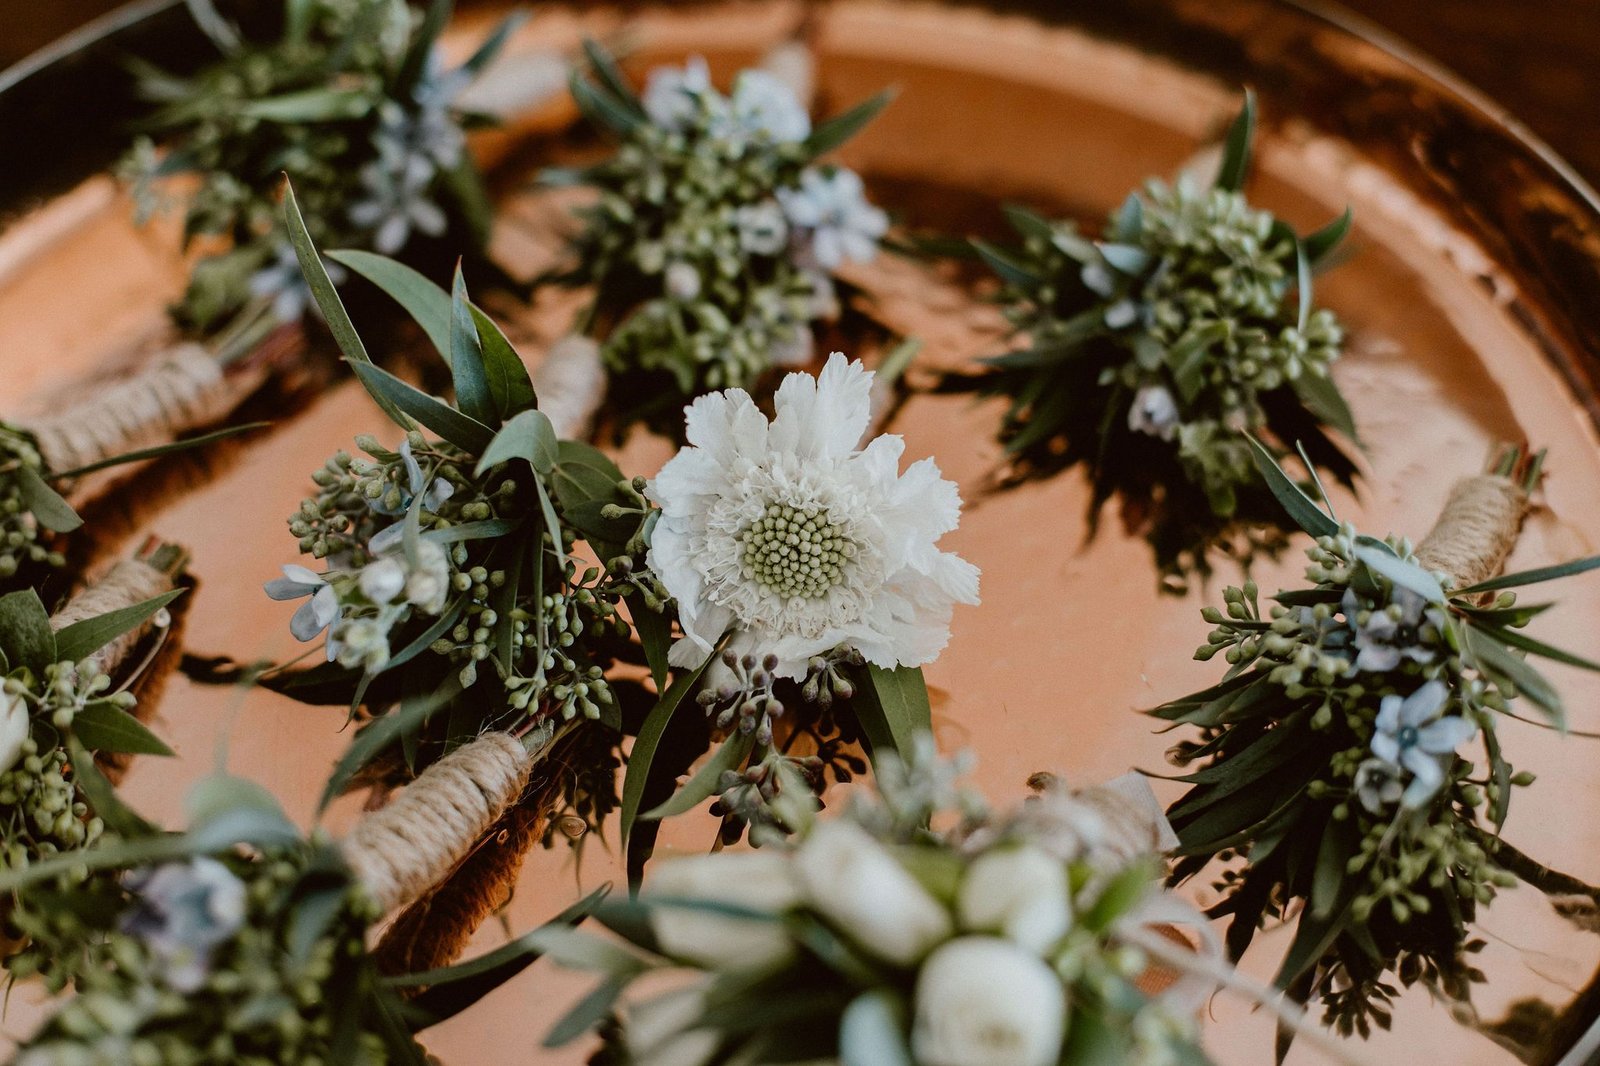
x,y
795,552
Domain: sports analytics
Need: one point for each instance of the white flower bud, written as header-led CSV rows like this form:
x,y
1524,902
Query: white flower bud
x,y
383,580
14,722
683,281
853,880
1020,893
982,1001
758,880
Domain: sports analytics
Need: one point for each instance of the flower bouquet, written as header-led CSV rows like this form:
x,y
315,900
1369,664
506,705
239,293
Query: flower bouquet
x,y
1149,353
1331,758
713,242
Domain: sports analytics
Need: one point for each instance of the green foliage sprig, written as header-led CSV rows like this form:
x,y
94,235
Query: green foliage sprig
x,y
1152,350
350,101
1332,760
712,245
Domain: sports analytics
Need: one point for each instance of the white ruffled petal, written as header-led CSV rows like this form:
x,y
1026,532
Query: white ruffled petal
x,y
823,416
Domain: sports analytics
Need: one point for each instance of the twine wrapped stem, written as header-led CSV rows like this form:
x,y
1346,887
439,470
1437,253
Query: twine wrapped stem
x,y
402,851
1476,530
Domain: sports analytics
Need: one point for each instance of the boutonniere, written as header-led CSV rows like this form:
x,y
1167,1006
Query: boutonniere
x,y
809,591
473,572
242,939
712,245
353,102
1031,937
71,716
1334,754
1148,351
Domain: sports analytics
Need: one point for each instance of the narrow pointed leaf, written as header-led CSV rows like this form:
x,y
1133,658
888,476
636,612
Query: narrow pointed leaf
x,y
81,639
509,382
103,726
425,302
836,131
1236,149
47,505
466,359
1305,513
707,781
1532,577
389,391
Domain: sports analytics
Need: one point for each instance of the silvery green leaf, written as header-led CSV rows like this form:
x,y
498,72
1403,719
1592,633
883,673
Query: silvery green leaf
x,y
1406,575
81,639
45,503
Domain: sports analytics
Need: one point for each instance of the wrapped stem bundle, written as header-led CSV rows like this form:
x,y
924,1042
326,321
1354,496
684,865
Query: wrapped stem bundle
x,y
1331,754
1148,354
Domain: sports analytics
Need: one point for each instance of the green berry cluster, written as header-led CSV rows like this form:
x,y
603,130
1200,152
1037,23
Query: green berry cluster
x,y
265,999
22,539
686,284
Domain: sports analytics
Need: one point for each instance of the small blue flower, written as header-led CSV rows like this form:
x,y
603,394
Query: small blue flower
x,y
440,491
1410,735
763,106
282,281
317,613
1154,412
832,207
673,95
182,912
1390,635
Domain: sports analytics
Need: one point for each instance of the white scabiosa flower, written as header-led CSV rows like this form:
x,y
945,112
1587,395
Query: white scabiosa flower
x,y
797,540
983,1001
1020,893
758,880
14,726
854,881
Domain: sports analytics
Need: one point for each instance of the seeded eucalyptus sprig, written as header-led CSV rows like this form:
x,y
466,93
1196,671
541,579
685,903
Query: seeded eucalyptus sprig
x,y
1332,769
712,246
1150,351
351,102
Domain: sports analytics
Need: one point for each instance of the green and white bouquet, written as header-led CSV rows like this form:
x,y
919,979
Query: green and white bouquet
x,y
352,102
1333,776
712,246
809,591
70,716
242,941
1151,351
916,927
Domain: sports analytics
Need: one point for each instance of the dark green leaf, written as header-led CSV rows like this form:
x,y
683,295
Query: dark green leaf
x,y
1531,577
1322,397
492,44
509,382
102,798
1236,149
1518,639
1007,265
834,132
466,358
610,76
1319,245
529,436
103,726
1494,658
655,635
383,732
600,106
892,706
1306,514
425,302
649,738
459,429
45,503
707,781
79,640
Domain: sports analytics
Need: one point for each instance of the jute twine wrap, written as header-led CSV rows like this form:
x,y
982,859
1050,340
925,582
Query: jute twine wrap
x,y
400,852
183,391
570,383
1476,530
130,582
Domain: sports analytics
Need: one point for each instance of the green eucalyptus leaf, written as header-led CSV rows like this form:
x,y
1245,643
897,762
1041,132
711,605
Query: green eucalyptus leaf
x,y
494,43
1496,659
655,635
158,450
1236,149
528,436
102,797
509,382
602,107
1319,245
464,431
46,505
103,726
425,302
605,68
1306,514
1531,577
1518,639
892,706
836,131
1010,268
79,640
1406,575
707,781
644,748
467,372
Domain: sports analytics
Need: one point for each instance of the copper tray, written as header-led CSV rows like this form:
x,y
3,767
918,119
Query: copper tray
x,y
1473,294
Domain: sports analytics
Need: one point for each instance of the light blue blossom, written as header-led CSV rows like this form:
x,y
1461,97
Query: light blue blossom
x,y
1389,635
762,228
397,201
673,96
437,493
182,912
763,106
1154,412
317,613
831,208
1410,735
282,281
